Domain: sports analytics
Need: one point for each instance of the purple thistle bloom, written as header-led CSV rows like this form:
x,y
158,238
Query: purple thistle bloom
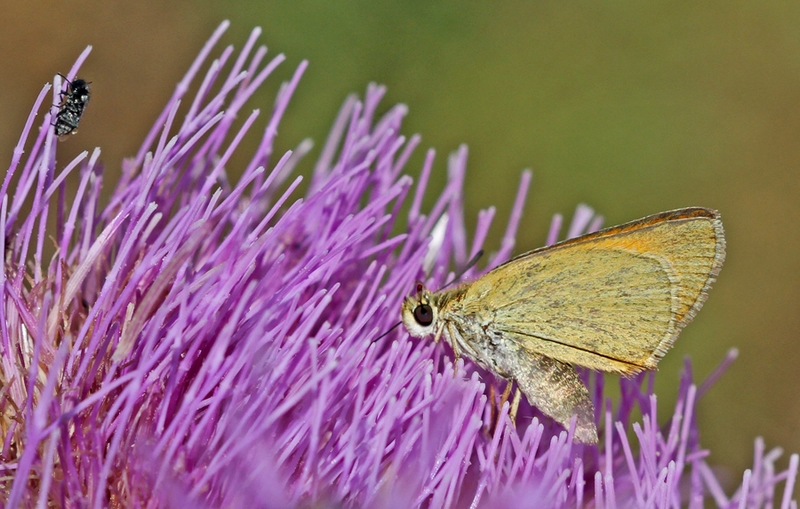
x,y
197,342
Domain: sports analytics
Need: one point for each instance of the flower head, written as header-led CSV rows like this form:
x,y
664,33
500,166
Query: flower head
x,y
204,339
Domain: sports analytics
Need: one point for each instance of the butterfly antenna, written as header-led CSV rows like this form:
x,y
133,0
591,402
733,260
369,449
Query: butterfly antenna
x,y
393,327
468,266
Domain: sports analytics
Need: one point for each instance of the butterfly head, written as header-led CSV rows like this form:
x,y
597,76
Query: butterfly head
x,y
421,313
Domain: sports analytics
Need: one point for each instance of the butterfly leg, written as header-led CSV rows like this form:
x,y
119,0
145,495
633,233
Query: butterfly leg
x,y
513,402
494,412
506,393
496,406
512,413
453,343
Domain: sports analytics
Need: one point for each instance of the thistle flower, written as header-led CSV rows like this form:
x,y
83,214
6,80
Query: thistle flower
x,y
197,340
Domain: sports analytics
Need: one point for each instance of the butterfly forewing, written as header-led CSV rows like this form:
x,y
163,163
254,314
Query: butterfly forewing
x,y
614,300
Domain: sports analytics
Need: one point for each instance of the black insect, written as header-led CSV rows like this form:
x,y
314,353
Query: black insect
x,y
69,114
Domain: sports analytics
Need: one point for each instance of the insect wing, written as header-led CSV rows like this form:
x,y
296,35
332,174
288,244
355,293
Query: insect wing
x,y
614,300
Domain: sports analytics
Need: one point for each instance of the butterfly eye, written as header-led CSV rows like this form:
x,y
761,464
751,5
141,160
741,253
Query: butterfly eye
x,y
423,314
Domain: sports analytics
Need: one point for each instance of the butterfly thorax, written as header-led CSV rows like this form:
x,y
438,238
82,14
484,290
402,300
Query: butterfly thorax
x,y
467,328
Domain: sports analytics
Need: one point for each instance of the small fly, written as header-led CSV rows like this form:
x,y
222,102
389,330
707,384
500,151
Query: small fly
x,y
71,110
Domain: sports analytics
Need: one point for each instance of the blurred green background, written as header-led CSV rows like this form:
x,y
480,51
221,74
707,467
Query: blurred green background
x,y
633,108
